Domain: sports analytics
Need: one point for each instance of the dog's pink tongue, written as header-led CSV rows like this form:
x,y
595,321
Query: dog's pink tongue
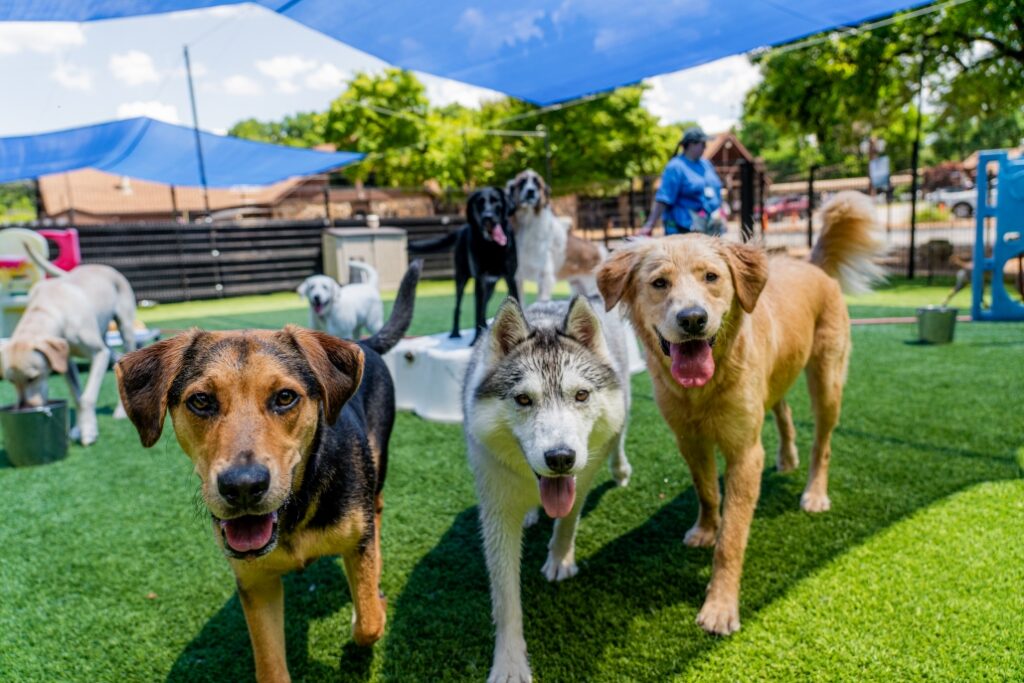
x,y
251,532
498,235
557,494
692,363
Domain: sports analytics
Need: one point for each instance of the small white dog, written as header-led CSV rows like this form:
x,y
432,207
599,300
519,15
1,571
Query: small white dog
x,y
68,316
545,400
343,310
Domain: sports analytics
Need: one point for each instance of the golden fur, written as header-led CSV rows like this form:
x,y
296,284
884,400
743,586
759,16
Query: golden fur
x,y
767,319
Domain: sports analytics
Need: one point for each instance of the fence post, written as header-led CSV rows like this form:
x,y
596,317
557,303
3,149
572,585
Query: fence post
x,y
746,199
810,207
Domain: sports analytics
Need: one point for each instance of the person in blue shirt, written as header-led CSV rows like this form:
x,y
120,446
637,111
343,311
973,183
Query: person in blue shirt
x,y
690,191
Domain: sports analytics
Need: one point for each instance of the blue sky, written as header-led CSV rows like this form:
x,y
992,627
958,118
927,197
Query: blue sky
x,y
248,61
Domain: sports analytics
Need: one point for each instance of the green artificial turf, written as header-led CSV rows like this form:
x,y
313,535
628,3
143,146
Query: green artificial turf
x,y
108,571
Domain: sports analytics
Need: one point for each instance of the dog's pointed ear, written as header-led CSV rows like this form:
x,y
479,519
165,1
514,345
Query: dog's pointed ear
x,y
615,277
144,380
582,324
56,351
336,363
749,267
510,328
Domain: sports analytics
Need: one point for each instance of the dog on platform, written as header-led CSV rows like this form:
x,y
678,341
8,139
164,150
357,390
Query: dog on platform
x,y
546,399
485,250
67,317
289,433
727,331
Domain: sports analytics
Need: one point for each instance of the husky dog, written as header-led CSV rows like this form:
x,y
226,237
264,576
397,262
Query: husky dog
x,y
546,399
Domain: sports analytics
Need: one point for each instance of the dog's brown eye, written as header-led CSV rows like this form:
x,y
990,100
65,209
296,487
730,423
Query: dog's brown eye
x,y
582,395
660,283
285,399
523,400
200,403
710,277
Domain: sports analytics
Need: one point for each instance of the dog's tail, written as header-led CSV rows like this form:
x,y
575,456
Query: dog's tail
x,y
849,244
440,244
368,273
401,315
39,260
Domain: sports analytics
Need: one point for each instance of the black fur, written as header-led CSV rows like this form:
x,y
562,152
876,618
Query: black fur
x,y
477,255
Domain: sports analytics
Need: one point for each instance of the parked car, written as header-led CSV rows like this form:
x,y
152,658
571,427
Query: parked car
x,y
778,208
962,201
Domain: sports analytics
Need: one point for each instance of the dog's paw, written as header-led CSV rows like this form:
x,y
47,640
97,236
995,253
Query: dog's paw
x,y
700,537
510,667
532,517
87,436
719,617
622,473
787,460
75,434
815,502
119,412
455,335
368,629
556,569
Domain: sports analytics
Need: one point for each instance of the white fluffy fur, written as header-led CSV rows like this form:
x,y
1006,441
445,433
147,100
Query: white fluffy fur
x,y
344,310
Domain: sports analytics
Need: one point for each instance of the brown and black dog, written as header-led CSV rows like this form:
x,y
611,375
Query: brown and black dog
x,y
289,433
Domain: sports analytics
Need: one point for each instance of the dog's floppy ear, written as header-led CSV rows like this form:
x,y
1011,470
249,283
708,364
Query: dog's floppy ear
x,y
582,324
510,328
144,379
303,288
471,216
615,277
56,351
749,266
336,363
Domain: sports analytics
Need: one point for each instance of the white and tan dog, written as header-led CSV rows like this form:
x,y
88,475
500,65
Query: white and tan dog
x,y
547,249
546,400
344,310
68,316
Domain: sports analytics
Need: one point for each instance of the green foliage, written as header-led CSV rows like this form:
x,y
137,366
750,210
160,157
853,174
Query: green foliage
x,y
16,202
305,129
846,89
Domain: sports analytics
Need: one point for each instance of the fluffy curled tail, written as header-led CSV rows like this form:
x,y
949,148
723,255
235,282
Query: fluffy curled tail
x,y
849,242
368,274
401,315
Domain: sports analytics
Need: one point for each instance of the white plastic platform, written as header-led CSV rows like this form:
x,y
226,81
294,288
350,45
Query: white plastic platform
x,y
428,373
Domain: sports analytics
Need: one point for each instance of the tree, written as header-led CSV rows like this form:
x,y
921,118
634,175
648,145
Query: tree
x,y
844,89
305,129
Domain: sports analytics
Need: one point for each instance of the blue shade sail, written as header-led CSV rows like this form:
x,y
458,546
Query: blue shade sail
x,y
164,153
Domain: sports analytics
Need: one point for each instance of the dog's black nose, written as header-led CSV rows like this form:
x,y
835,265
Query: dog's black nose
x,y
692,320
244,485
560,460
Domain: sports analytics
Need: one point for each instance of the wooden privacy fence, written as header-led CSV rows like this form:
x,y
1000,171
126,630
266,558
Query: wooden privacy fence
x,y
168,262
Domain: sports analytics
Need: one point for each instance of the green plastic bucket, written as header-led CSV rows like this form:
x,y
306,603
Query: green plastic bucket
x,y
935,324
35,436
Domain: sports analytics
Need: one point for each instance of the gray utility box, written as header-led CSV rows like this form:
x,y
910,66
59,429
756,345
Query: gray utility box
x,y
382,248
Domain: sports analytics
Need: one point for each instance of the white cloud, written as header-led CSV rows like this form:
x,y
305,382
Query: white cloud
x,y
711,94
444,91
71,76
133,68
326,77
517,26
154,109
241,85
284,69
42,37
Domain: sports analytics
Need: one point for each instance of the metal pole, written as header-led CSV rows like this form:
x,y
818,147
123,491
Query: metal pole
x,y
913,171
746,200
810,207
195,128
327,199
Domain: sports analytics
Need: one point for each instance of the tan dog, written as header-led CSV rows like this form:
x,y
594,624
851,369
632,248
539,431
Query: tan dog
x,y
68,316
727,332
289,433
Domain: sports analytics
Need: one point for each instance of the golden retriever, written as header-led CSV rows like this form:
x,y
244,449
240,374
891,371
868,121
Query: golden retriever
x,y
727,331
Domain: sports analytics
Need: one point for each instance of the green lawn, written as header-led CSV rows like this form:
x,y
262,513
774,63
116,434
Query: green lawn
x,y
108,573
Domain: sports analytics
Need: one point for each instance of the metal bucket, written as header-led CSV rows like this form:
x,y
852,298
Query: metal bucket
x,y
935,324
35,436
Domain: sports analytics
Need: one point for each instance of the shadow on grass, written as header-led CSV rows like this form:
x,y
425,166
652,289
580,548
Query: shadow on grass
x,y
221,651
440,627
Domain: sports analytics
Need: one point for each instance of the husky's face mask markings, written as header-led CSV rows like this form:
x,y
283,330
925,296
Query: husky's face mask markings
x,y
548,390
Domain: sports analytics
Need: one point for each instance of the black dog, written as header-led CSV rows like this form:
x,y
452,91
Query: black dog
x,y
485,250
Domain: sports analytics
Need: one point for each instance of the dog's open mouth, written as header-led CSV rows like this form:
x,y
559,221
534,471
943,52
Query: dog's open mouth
x,y
250,535
693,364
496,232
557,495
